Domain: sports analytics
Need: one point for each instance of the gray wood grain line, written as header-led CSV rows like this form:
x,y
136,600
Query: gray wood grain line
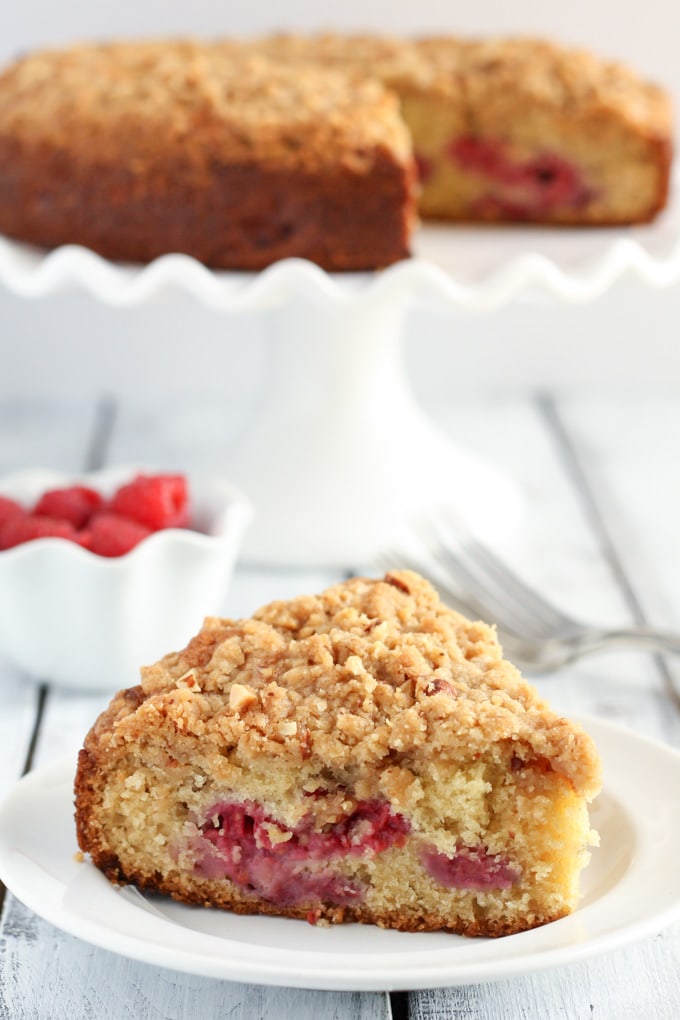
x,y
46,975
639,983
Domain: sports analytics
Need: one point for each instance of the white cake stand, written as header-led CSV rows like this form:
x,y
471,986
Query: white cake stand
x,y
341,456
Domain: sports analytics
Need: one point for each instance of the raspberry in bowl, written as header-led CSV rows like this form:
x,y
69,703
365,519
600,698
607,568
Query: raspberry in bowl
x,y
102,573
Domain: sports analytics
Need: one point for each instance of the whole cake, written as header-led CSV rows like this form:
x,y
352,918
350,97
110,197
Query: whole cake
x,y
244,152
362,755
139,149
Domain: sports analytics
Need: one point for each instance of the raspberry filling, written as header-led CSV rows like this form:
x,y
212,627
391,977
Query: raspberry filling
x,y
522,188
424,167
287,866
469,868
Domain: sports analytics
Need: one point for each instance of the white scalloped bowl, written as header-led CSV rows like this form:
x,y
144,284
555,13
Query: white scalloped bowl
x,y
85,621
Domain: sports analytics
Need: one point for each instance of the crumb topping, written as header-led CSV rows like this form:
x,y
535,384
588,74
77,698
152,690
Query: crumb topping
x,y
572,80
219,100
369,672
480,74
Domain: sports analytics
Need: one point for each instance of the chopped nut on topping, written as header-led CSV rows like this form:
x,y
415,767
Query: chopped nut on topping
x,y
398,582
189,681
287,729
241,697
354,665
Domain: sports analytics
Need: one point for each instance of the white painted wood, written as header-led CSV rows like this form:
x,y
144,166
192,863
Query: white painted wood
x,y
553,546
630,451
184,427
45,433
47,975
639,983
18,703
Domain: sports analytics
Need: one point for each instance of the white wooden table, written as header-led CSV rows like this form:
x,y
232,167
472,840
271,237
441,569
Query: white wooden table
x,y
601,536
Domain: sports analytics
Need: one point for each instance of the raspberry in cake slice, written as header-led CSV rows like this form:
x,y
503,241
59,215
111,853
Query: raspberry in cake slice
x,y
362,755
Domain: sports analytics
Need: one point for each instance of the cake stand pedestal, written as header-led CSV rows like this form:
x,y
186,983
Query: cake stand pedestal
x,y
341,457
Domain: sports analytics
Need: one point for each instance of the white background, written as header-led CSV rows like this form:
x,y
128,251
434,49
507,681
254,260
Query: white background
x,y
70,344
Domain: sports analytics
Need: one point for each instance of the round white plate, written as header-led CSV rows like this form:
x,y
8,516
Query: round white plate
x,y
473,267
631,889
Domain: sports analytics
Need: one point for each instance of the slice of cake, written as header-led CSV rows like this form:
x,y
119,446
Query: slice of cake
x,y
138,149
362,755
516,129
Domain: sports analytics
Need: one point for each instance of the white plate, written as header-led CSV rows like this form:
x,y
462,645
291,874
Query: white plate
x,y
631,889
473,267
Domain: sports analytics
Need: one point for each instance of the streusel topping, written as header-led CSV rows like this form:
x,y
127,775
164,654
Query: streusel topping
x,y
216,99
485,72
573,80
366,671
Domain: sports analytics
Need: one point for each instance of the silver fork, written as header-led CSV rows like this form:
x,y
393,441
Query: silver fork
x,y
537,637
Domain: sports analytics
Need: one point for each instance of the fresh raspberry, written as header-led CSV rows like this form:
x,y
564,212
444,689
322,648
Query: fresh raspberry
x,y
111,534
28,527
158,501
9,508
75,504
